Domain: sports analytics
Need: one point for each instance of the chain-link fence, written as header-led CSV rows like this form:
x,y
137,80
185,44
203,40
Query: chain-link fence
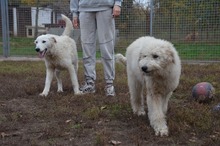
x,y
193,26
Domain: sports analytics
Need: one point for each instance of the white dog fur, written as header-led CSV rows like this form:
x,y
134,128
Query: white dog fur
x,y
59,53
153,64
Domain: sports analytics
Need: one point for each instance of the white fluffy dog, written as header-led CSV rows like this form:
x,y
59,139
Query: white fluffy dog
x,y
60,53
154,64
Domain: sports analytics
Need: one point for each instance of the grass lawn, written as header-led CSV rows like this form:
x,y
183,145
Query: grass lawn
x,y
199,51
187,51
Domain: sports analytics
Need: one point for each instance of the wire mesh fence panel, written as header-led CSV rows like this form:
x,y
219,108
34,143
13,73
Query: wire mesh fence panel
x,y
192,26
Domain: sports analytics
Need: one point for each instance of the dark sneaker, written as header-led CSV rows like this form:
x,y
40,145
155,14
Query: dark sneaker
x,y
109,90
87,88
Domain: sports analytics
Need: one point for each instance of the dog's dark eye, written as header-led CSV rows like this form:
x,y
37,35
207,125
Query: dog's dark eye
x,y
35,42
43,41
155,56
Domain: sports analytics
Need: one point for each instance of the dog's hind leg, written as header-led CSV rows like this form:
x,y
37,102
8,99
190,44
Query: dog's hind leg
x,y
75,64
59,81
165,102
136,95
74,80
49,77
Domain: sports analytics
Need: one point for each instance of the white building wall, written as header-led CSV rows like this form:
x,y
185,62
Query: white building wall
x,y
44,16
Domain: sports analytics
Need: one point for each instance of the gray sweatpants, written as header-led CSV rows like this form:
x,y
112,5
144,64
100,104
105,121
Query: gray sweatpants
x,y
103,23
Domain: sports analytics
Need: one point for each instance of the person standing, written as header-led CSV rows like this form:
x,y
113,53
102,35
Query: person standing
x,y
96,18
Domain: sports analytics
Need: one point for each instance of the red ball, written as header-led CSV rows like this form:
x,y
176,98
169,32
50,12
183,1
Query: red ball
x,y
203,92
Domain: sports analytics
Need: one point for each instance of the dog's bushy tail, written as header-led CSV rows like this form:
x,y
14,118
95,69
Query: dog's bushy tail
x,y
121,58
69,26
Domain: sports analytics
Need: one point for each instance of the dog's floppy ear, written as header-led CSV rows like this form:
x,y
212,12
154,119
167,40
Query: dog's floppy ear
x,y
170,56
53,39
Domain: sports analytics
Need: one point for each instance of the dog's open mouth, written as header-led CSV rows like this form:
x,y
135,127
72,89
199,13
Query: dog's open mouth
x,y
41,54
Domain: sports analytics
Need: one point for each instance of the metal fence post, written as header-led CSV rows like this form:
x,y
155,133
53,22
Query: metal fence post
x,y
5,27
151,17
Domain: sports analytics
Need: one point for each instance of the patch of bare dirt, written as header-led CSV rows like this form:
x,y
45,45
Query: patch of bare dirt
x,y
65,119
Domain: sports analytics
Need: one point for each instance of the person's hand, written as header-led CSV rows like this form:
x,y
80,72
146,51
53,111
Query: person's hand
x,y
116,11
75,22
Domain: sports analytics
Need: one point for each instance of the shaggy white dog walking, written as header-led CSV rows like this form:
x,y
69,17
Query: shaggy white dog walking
x,y
154,64
60,53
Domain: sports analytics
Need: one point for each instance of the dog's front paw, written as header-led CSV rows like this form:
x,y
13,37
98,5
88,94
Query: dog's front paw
x,y
161,130
60,90
139,111
43,94
79,93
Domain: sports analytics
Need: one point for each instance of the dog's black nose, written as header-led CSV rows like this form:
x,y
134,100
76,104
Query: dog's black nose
x,y
144,68
37,49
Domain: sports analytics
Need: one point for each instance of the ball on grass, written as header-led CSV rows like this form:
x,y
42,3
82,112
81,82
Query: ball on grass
x,y
203,92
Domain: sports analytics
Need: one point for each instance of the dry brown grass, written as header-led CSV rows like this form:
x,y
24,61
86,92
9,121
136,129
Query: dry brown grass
x,y
65,119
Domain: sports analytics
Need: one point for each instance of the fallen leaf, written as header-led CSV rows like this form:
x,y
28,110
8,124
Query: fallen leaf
x,y
114,142
67,121
3,135
103,107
